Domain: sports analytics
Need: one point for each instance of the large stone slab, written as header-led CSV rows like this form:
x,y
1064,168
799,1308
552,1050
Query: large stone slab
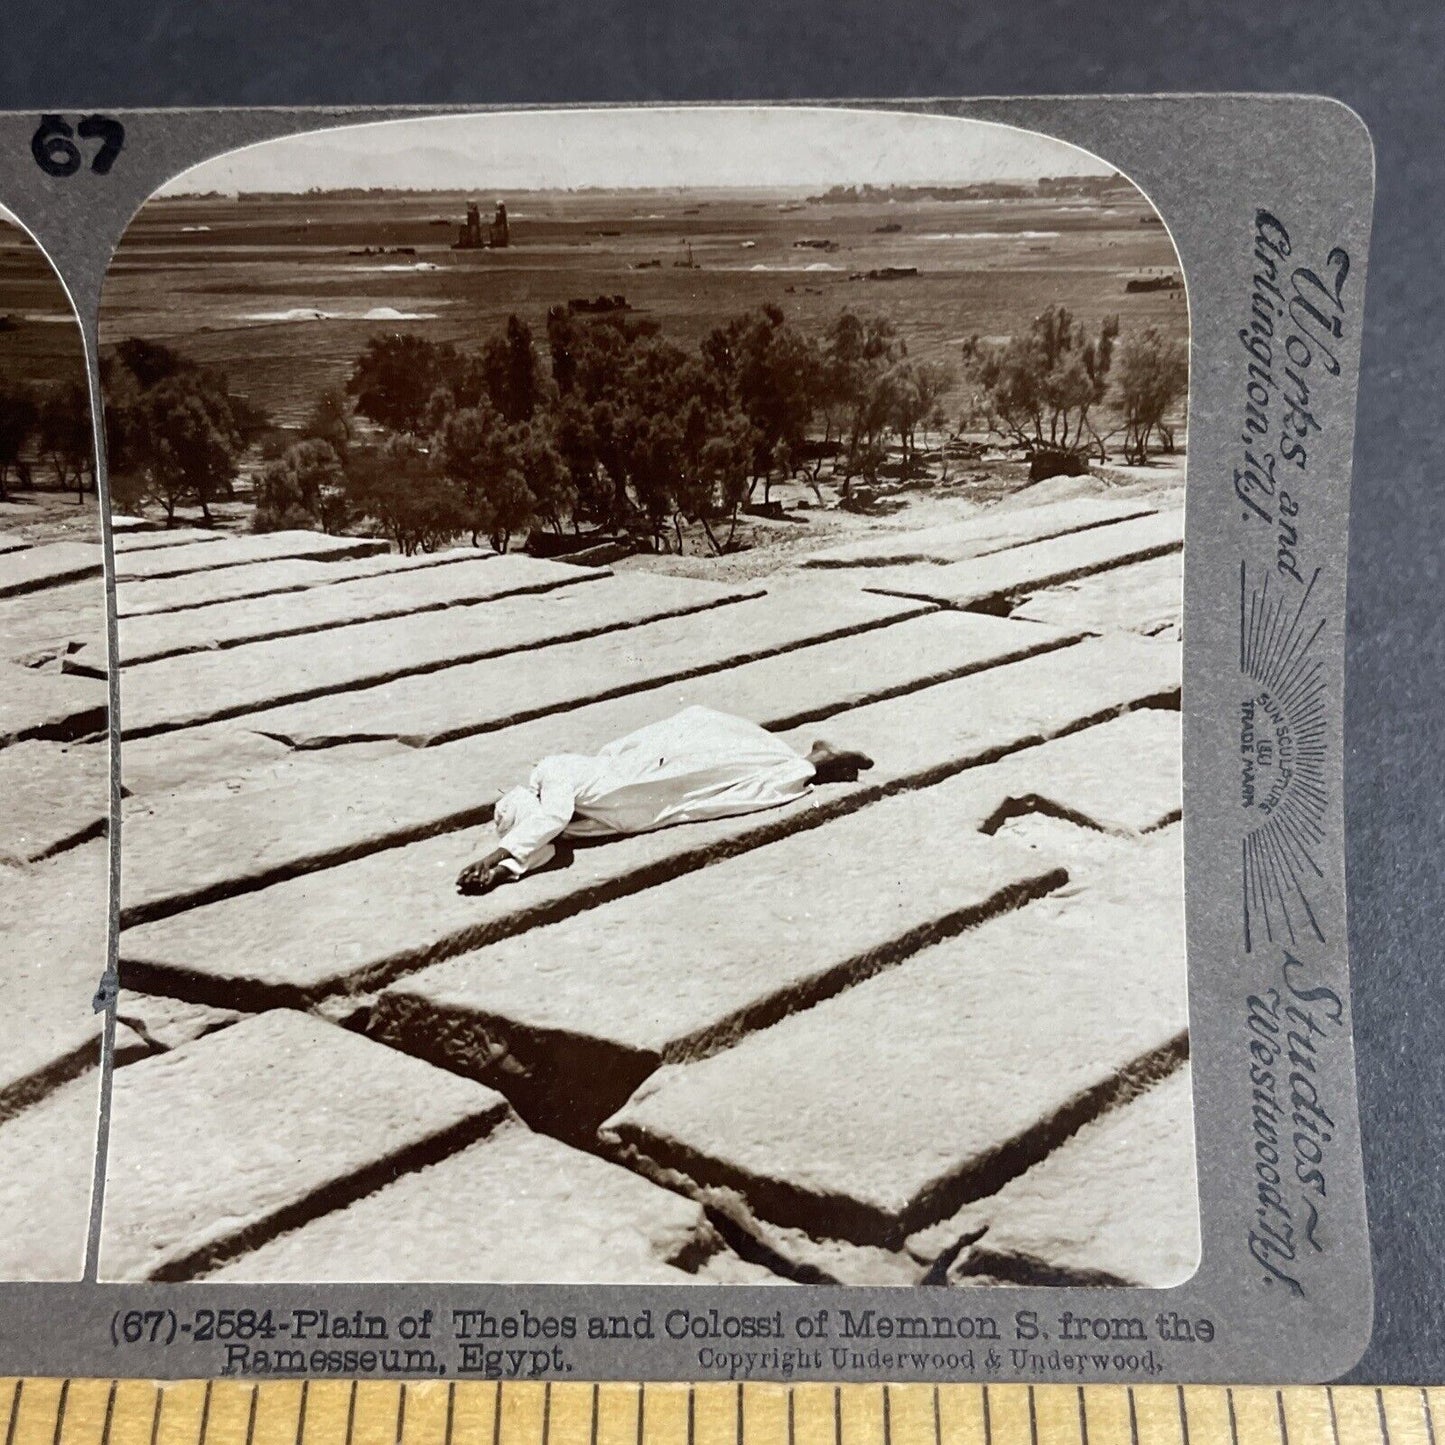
x,y
1115,1205
220,1144
1009,524
260,579
53,921
54,796
187,849
393,594
1147,597
514,1208
47,1163
353,661
54,705
569,1019
139,541
503,691
49,565
35,626
236,551
888,1107
991,583
361,924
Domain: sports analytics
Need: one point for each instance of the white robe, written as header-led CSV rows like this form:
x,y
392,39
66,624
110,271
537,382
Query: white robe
x,y
696,765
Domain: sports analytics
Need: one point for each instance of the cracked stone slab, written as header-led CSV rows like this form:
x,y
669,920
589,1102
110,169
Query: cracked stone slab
x,y
1147,597
393,594
513,1208
193,758
47,1161
339,665
235,551
222,1143
1123,776
990,582
36,704
260,579
190,848
55,795
141,541
478,697
42,626
991,530
570,1018
304,938
48,565
886,1108
162,1023
53,919
1115,1205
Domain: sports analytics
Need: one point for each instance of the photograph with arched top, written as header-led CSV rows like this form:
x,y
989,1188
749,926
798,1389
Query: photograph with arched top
x,y
54,773
652,752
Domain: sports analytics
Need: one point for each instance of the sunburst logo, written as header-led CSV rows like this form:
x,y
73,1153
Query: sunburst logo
x,y
1282,742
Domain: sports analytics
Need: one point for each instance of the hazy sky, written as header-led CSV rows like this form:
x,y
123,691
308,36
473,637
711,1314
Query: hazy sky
x,y
544,150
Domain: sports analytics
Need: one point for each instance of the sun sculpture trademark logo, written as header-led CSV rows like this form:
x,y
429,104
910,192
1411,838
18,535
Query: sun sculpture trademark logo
x,y
1281,761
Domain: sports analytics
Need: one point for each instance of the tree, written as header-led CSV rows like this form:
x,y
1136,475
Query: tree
x,y
64,437
856,395
1038,389
394,377
1152,378
774,375
400,487
514,379
329,420
19,413
187,443
175,432
304,487
915,394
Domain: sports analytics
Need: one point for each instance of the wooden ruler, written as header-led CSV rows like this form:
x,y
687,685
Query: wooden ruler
x,y
339,1412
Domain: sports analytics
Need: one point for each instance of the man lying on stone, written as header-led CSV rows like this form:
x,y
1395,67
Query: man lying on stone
x,y
697,765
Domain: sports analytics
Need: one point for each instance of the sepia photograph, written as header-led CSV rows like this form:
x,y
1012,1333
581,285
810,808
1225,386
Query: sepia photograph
x,y
54,773
649,696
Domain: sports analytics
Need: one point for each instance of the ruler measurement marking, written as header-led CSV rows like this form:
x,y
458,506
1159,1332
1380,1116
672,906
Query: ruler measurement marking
x,y
837,1415
110,1411
14,1412
400,1411
60,1411
1133,1416
1183,1416
1380,1410
1334,1415
641,1408
350,1414
937,1419
156,1415
1233,1422
546,1410
205,1414
1428,1416
300,1413
987,1419
1279,1410
1083,1417
451,1411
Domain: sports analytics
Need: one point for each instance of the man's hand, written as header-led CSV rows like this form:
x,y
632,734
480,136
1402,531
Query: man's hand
x,y
482,876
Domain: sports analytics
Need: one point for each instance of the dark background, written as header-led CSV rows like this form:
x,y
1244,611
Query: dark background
x,y
1383,57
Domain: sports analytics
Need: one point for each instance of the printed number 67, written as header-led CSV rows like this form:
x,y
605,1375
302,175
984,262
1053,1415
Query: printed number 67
x,y
58,155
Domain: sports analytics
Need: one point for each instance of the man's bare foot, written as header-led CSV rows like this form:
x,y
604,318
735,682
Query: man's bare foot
x,y
837,765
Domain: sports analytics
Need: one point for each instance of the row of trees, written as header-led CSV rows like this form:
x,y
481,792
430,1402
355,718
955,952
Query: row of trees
x,y
51,424
608,424
1058,390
